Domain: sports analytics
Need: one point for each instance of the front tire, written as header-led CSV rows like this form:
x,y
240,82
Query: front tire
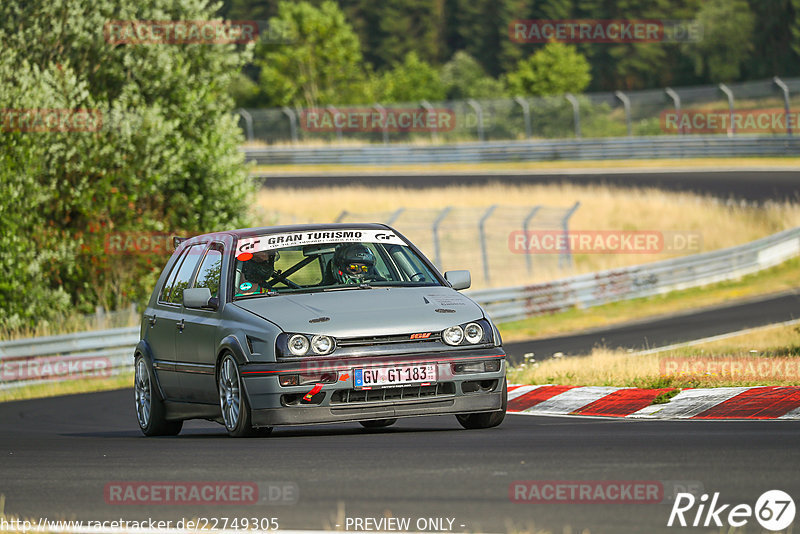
x,y
233,402
472,421
378,423
150,410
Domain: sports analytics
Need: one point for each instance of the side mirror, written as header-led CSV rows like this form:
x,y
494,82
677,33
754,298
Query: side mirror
x,y
458,279
199,297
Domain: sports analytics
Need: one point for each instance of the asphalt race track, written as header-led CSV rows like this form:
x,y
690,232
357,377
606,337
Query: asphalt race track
x,y
756,186
650,333
58,455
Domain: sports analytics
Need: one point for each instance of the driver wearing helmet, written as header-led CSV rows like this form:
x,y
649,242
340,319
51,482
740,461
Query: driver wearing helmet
x,y
257,271
354,263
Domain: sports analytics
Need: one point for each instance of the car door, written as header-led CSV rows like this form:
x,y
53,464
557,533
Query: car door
x,y
164,318
196,342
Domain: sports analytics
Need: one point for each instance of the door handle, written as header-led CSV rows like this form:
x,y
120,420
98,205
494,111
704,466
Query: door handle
x,y
181,324
151,319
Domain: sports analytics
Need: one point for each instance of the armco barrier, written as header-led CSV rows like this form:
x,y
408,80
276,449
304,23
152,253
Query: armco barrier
x,y
504,304
669,146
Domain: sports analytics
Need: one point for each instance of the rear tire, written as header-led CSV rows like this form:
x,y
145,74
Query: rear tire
x,y
378,423
472,421
233,402
150,410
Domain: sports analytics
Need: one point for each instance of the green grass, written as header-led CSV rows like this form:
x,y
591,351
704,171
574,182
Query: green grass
x,y
67,387
782,277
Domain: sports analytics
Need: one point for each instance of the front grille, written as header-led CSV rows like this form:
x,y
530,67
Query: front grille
x,y
347,396
369,341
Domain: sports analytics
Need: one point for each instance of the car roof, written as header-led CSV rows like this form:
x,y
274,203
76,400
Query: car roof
x,y
250,232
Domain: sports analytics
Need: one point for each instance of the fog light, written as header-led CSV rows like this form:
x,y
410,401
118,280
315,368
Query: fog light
x,y
492,366
472,367
453,335
298,345
289,380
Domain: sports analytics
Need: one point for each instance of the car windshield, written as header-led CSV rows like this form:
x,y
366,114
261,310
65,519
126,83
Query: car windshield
x,y
327,260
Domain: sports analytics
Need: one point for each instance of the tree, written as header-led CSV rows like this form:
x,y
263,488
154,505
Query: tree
x,y
727,40
463,77
553,70
321,66
165,157
410,81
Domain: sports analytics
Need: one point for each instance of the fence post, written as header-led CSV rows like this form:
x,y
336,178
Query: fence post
x,y
382,110
341,216
436,251
525,224
393,217
482,230
478,115
566,258
725,89
576,115
676,101
526,114
777,81
424,104
248,122
626,103
289,112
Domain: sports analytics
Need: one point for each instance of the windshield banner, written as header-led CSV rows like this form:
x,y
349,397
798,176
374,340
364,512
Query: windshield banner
x,y
251,245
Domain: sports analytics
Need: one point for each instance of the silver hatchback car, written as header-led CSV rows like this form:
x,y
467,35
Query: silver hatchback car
x,y
294,325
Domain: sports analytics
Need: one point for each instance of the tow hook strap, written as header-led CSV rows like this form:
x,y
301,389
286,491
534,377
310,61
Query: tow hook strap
x,y
316,389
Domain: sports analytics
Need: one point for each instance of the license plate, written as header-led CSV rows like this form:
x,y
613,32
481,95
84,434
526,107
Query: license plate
x,y
398,375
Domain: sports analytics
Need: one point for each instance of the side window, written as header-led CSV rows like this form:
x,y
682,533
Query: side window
x,y
184,276
210,270
164,296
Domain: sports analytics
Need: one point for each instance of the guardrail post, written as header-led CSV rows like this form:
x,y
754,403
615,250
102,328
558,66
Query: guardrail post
x,y
478,115
725,89
439,218
525,224
394,216
289,112
576,115
482,231
782,86
526,114
676,101
248,122
626,103
565,259
424,104
382,110
341,216
333,111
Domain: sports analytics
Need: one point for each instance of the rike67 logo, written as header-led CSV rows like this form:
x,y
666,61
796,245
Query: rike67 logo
x,y
774,511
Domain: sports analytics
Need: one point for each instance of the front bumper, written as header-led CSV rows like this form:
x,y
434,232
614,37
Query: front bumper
x,y
273,405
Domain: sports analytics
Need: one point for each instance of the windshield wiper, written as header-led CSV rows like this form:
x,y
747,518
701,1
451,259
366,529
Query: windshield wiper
x,y
359,286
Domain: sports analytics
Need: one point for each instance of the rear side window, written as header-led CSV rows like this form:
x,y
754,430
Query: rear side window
x,y
209,273
180,276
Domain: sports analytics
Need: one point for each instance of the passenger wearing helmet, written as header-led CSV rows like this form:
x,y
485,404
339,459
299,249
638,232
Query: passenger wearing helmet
x,y
257,271
354,263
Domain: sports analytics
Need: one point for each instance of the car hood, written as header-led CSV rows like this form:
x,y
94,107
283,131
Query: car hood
x,y
366,312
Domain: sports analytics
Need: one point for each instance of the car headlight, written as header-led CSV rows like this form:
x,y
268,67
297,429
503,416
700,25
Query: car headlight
x,y
322,344
473,332
453,335
299,345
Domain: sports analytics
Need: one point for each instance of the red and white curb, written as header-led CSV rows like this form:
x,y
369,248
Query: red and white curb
x,y
762,402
